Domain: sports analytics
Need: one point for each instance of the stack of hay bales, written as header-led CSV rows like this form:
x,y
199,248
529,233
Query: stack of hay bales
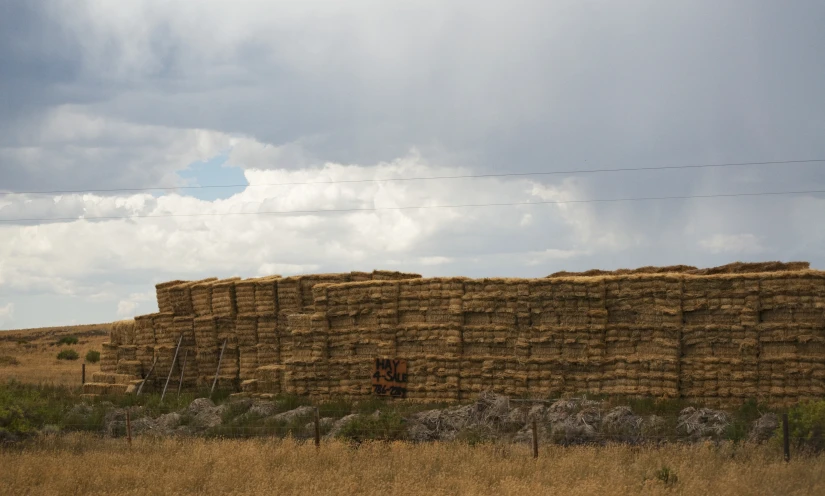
x,y
145,341
566,338
428,336
644,318
791,336
496,317
163,297
362,319
306,366
720,348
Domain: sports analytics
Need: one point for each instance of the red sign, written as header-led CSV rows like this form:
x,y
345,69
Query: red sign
x,y
389,378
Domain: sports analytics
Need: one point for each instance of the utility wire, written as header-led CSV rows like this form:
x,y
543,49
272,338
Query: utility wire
x,y
422,178
419,207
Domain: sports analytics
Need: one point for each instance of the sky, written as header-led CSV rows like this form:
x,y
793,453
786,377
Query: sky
x,y
135,111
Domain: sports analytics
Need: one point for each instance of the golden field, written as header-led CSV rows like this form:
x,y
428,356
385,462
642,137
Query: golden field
x,y
30,355
83,464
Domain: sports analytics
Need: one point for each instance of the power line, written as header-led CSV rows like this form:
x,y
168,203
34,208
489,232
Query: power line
x,y
421,207
421,178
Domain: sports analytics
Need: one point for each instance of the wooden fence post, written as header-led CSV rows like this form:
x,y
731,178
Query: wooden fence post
x,y
786,442
128,429
317,429
83,374
535,440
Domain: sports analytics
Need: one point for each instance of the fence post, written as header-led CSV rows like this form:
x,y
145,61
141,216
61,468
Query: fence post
x,y
786,442
83,374
535,440
128,429
317,429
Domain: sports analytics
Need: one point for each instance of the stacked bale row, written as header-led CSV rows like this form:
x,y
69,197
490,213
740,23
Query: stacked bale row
x,y
791,336
245,325
708,336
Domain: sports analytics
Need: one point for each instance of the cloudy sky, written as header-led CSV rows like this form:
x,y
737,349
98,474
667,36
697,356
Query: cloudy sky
x,y
130,108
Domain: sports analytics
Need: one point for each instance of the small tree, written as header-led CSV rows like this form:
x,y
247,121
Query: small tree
x,y
92,356
68,355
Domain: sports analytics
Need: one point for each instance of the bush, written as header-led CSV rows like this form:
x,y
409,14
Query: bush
x,y
67,340
68,355
92,356
806,426
386,426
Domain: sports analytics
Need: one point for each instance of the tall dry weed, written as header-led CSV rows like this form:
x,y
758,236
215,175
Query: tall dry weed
x,y
83,464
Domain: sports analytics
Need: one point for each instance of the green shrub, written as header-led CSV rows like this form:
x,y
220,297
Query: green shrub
x,y
386,426
806,426
67,340
93,356
68,355
667,476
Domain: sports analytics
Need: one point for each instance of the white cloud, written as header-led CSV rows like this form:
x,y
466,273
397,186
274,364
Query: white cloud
x,y
434,260
128,307
6,314
732,243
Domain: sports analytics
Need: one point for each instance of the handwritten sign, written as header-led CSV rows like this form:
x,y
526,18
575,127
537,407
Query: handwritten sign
x,y
390,378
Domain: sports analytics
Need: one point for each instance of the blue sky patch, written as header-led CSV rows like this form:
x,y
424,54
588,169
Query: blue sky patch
x,y
213,172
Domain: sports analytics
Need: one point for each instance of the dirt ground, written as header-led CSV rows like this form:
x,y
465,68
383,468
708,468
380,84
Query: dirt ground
x,y
30,355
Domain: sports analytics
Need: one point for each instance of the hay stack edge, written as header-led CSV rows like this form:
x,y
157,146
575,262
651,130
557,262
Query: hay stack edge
x,y
717,336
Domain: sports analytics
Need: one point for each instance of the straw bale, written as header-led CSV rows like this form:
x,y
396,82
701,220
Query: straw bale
x,y
223,298
201,295
225,327
145,355
640,375
108,357
643,300
206,333
309,337
247,361
428,339
504,376
363,343
744,268
109,378
351,376
267,330
164,329
492,341
391,275
245,296
144,330
270,378
289,295
126,352
623,341
185,327
162,292
266,296
246,327
433,378
123,332
132,368
308,377
360,276
268,354
719,377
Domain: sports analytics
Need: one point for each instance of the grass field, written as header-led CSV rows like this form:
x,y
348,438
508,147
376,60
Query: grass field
x,y
30,355
83,464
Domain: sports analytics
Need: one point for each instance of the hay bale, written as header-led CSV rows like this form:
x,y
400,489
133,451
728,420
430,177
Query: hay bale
x,y
245,296
223,298
266,296
162,292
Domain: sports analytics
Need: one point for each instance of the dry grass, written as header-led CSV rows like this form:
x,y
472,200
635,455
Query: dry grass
x,y
82,464
30,355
